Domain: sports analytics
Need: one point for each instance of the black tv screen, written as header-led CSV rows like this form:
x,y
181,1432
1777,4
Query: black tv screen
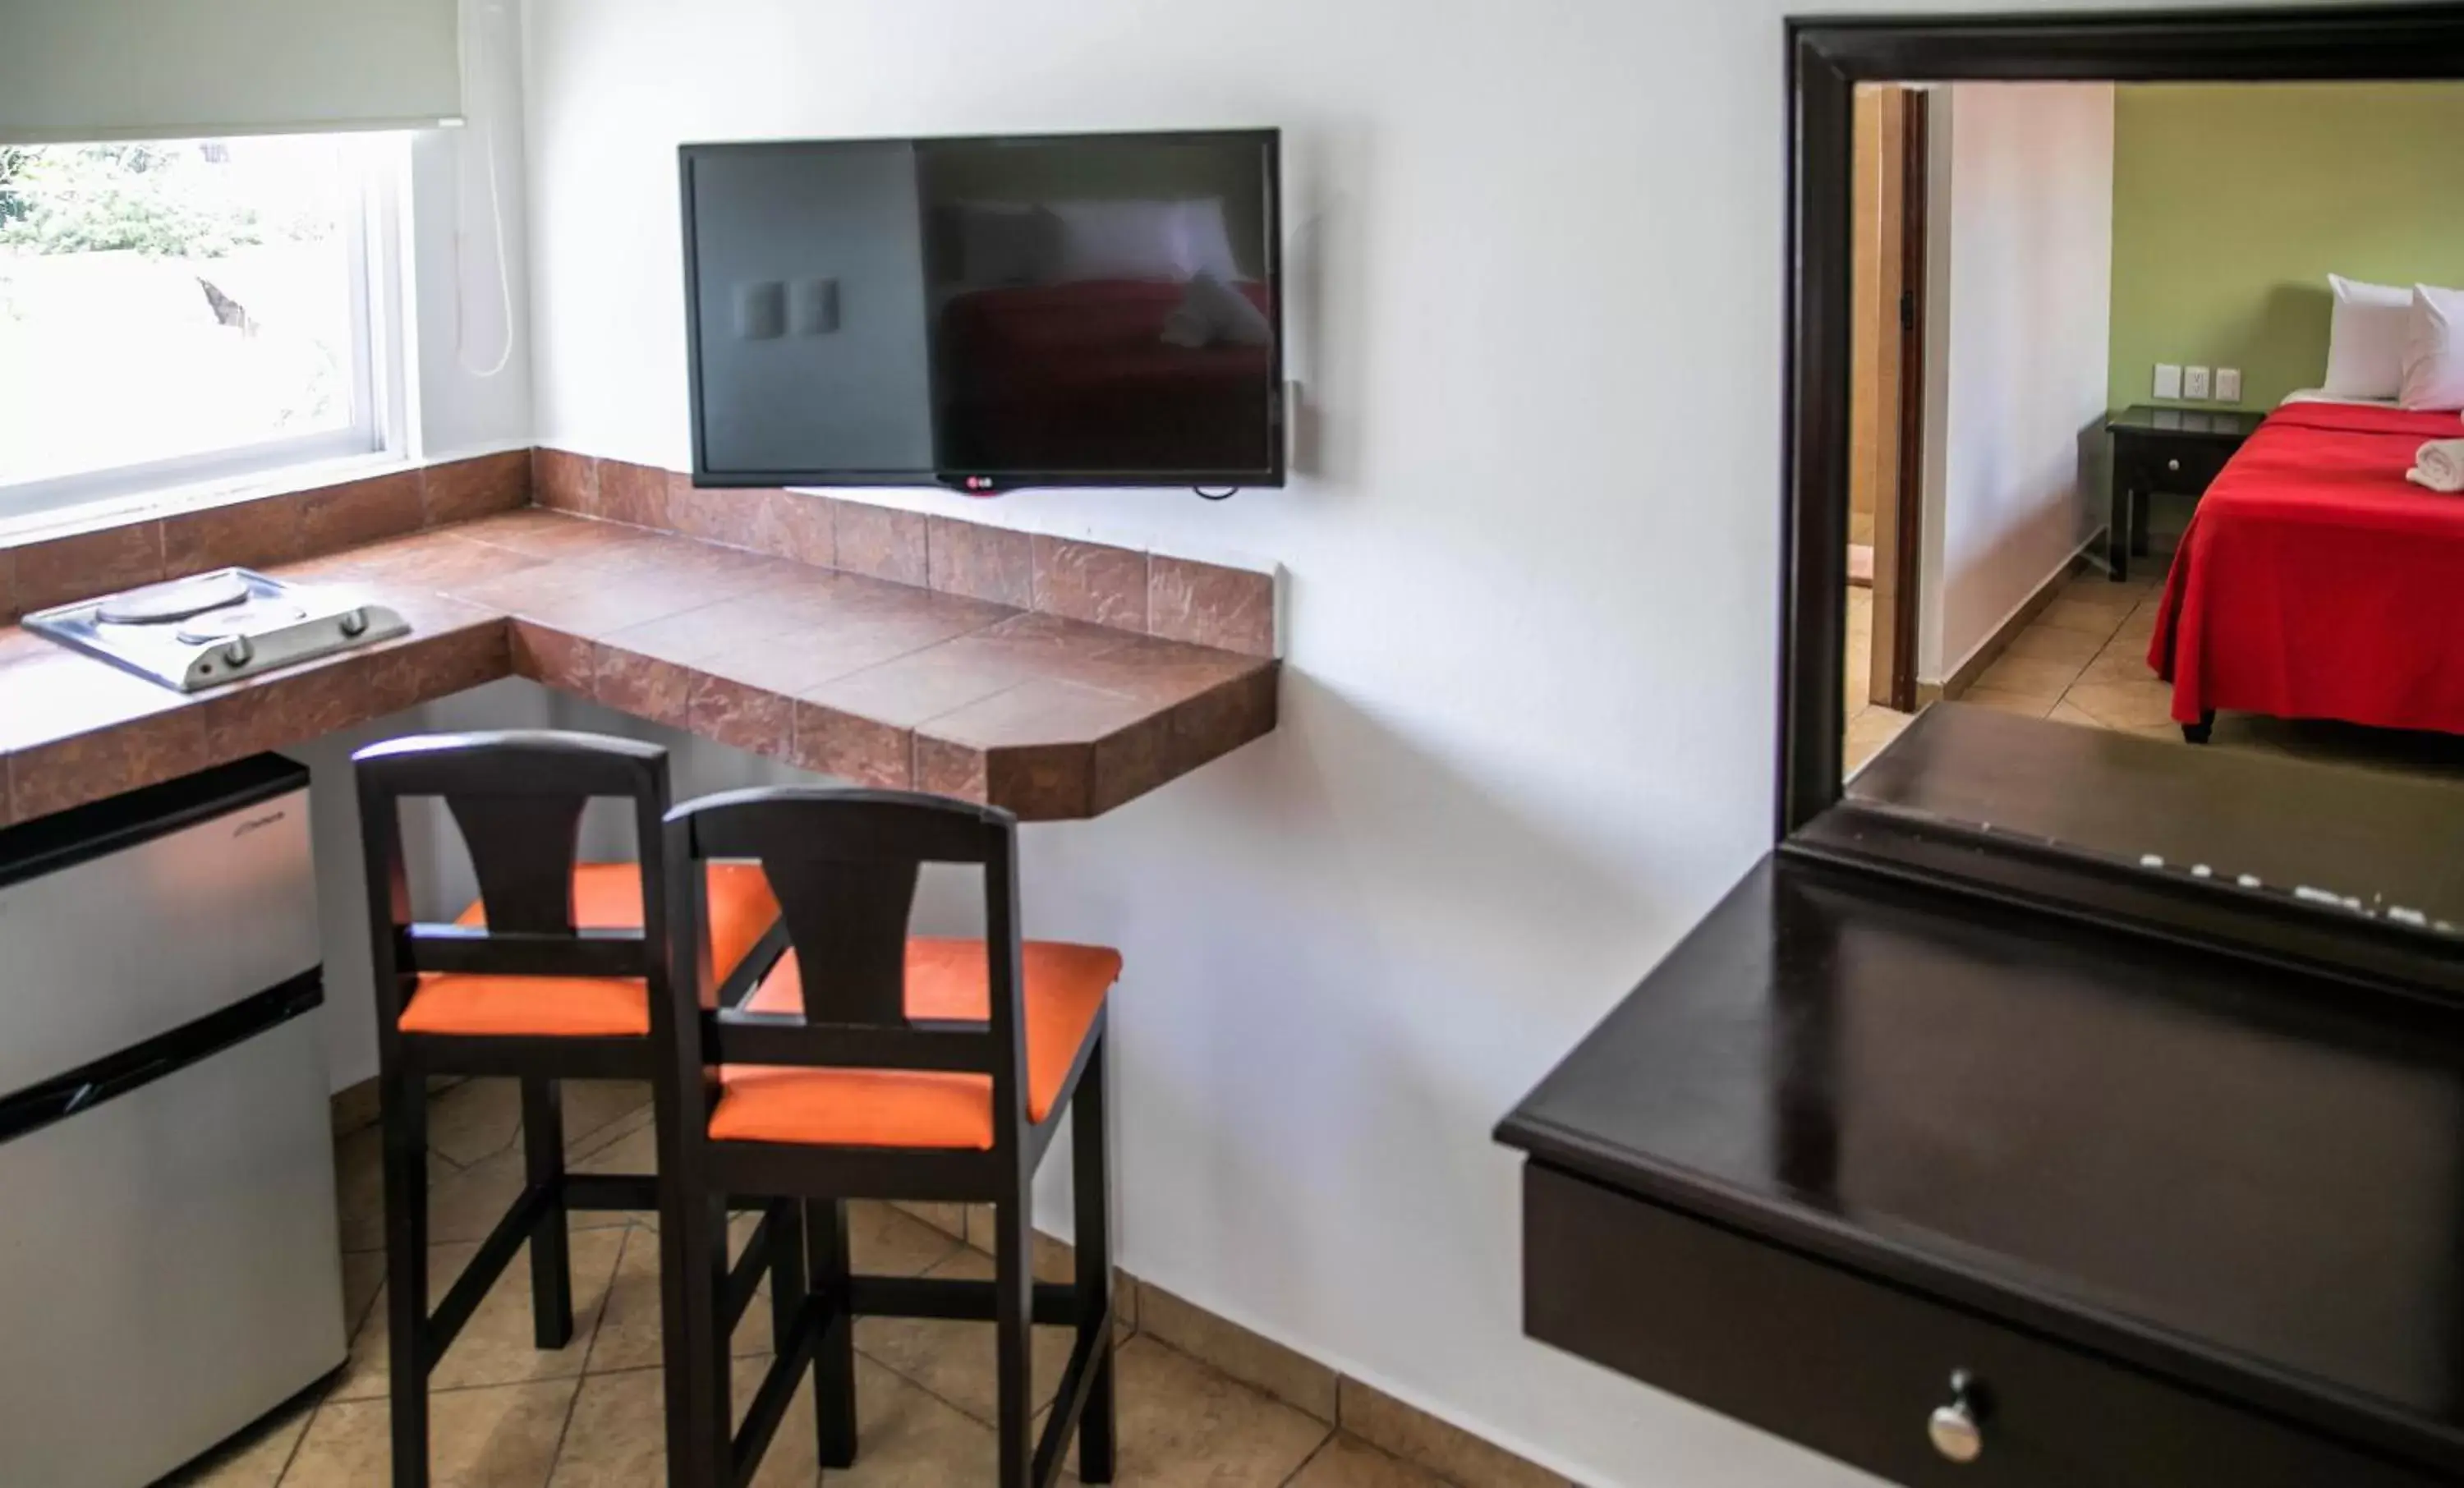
x,y
986,312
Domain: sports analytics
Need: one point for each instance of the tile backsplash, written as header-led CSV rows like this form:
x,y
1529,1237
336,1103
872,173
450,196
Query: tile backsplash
x,y
1148,593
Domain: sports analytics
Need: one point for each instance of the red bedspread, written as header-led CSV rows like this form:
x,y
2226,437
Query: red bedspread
x,y
2314,582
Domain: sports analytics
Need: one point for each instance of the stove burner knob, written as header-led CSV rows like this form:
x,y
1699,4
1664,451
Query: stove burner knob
x,y
355,622
238,652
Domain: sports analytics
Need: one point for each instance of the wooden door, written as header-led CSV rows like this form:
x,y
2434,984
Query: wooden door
x,y
1887,407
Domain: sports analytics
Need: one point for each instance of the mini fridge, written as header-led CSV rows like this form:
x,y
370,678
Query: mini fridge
x,y
170,1267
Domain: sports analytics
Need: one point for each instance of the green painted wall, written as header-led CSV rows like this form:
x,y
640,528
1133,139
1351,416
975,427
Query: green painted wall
x,y
2233,204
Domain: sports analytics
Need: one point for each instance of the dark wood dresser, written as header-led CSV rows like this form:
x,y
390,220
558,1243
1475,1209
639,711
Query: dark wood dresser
x,y
2166,1216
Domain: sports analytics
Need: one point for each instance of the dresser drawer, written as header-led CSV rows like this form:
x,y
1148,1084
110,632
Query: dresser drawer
x,y
1853,1367
2175,469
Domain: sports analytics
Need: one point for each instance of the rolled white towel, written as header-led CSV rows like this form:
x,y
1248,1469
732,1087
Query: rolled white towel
x,y
2440,466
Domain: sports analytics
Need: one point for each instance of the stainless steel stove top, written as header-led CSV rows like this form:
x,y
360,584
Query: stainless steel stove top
x,y
217,628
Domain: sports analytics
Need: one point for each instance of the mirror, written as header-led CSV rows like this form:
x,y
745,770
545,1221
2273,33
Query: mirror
x,y
2151,554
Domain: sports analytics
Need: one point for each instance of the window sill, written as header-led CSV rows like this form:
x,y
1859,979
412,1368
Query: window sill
x,y
165,501
301,511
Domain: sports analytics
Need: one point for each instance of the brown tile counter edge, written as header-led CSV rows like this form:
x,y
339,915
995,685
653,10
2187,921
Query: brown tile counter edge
x,y
1051,718
1229,609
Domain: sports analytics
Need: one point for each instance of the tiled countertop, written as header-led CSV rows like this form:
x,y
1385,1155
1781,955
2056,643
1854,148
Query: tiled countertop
x,y
877,682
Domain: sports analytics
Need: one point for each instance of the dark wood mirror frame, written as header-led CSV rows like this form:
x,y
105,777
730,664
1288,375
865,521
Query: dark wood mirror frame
x,y
1827,58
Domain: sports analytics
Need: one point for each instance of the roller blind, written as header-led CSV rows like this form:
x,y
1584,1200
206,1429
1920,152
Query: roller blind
x,y
180,69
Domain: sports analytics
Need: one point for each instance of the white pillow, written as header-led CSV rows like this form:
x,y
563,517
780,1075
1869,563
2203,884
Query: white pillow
x,y
2434,356
1144,240
1211,312
2366,345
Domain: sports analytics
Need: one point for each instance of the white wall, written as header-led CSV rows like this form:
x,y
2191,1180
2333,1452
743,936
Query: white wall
x,y
1526,728
2023,244
459,321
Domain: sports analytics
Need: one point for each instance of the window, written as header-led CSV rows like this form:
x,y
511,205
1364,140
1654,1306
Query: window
x,y
189,310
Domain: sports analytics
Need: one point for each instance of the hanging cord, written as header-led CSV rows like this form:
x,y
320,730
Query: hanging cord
x,y
484,131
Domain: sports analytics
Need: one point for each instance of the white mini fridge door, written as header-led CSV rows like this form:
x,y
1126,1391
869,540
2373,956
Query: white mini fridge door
x,y
179,1273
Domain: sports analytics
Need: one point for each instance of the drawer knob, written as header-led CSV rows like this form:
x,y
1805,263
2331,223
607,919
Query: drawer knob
x,y
1958,1429
2174,464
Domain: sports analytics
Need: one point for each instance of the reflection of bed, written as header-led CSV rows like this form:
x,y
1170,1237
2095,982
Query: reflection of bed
x,y
2314,581
1078,377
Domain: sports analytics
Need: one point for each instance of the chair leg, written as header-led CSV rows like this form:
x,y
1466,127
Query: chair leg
x,y
551,1263
694,1340
1091,1176
404,1122
1013,1288
788,1275
826,1233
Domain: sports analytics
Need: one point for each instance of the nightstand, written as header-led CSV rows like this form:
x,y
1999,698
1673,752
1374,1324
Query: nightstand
x,y
2173,451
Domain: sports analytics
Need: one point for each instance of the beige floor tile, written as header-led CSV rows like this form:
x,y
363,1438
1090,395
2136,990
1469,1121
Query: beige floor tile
x,y
2139,626
2064,713
496,1346
905,1438
475,1120
628,1329
2099,615
359,1185
2035,676
1182,1423
617,1437
2051,643
1349,1462
466,1205
2124,660
956,1360
1289,1376
502,1437
883,1241
2144,704
2027,705
594,1106
629,1146
257,1458
1446,1450
480,1118
950,1219
363,1279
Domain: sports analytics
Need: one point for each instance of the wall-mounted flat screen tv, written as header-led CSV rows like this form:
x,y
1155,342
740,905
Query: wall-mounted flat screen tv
x,y
986,312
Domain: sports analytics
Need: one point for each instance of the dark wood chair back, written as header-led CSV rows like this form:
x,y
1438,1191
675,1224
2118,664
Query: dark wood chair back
x,y
518,798
845,865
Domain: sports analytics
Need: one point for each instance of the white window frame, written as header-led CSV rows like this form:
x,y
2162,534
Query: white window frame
x,y
374,242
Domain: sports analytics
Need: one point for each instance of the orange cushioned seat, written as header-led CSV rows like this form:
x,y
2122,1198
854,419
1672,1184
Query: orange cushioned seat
x,y
605,896
946,980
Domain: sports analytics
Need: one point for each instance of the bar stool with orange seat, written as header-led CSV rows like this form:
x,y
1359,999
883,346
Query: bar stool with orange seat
x,y
869,1064
559,971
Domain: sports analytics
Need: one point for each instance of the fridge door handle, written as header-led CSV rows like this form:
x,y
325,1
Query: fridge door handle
x,y
134,1068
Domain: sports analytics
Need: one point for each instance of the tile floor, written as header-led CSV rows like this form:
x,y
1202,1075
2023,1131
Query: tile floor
x,y
507,1416
2083,661
1869,727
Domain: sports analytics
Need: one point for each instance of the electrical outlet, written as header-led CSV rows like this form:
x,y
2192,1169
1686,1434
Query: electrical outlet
x,y
2227,384
2194,384
2168,381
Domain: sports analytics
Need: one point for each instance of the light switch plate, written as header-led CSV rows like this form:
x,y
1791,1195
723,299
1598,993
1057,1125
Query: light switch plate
x,y
2194,384
2168,381
2227,384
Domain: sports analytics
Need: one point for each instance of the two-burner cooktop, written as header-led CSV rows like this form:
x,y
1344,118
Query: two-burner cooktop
x,y
217,628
